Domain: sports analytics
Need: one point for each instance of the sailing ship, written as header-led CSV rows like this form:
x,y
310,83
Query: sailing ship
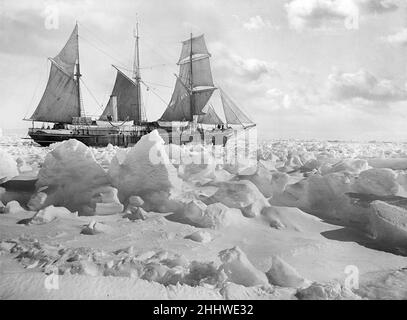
x,y
189,117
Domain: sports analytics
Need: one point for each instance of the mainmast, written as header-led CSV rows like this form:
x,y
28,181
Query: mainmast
x,y
78,76
136,72
191,82
194,86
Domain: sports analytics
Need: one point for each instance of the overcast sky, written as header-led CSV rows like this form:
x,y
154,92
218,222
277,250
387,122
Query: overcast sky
x,y
325,69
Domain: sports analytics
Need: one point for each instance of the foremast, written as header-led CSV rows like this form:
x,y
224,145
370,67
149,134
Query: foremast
x,y
136,73
61,100
78,76
191,82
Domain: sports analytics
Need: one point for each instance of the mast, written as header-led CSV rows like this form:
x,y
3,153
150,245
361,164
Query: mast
x,y
191,82
136,71
194,85
61,99
78,76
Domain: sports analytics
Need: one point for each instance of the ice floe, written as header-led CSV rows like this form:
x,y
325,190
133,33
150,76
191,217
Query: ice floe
x,y
360,186
8,166
146,171
72,176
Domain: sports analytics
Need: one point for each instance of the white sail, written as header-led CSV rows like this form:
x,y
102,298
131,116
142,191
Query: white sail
x,y
200,99
179,107
233,114
59,102
201,73
127,100
210,116
198,49
69,55
197,83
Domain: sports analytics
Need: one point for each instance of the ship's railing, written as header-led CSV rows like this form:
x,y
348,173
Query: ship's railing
x,y
31,130
81,120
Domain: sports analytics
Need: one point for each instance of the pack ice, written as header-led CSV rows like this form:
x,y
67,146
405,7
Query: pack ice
x,y
71,178
151,221
145,170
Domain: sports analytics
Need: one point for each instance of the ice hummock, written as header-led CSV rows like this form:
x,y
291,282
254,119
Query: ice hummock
x,y
145,170
357,185
8,166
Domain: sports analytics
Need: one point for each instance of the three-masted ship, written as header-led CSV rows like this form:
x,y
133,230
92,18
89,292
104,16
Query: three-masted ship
x,y
189,117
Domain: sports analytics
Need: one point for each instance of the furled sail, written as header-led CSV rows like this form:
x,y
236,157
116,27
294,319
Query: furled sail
x,y
201,72
198,48
210,116
233,114
196,83
60,102
127,100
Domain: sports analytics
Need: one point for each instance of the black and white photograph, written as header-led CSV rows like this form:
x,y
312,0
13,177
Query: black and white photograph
x,y
203,150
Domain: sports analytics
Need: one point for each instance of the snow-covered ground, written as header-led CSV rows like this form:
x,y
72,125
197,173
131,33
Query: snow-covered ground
x,y
305,220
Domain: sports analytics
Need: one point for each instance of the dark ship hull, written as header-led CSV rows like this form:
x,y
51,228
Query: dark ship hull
x,y
123,121
45,139
92,135
89,137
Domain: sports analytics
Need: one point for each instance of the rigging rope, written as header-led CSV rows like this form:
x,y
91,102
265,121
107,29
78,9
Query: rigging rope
x,y
122,65
147,95
158,84
148,68
90,92
120,125
99,39
104,52
156,66
152,90
159,53
40,76
100,106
